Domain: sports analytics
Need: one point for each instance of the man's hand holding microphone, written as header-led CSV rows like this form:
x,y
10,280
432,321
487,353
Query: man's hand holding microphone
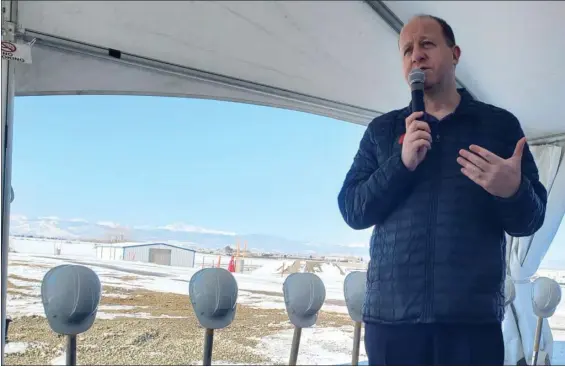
x,y
417,141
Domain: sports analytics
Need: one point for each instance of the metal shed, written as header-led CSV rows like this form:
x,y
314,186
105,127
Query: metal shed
x,y
156,253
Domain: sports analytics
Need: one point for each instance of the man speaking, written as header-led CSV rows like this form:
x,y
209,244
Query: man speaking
x,y
441,188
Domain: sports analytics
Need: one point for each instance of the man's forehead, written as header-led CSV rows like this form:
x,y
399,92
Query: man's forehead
x,y
418,28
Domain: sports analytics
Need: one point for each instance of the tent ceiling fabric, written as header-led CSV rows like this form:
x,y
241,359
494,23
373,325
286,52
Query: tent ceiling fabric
x,y
297,46
75,73
341,51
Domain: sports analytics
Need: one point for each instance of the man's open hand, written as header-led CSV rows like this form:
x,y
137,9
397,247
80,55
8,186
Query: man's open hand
x,y
498,176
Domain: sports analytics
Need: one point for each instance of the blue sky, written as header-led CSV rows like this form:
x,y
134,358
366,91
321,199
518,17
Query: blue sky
x,y
156,161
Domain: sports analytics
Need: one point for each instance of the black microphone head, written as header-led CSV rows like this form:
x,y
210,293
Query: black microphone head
x,y
70,296
416,79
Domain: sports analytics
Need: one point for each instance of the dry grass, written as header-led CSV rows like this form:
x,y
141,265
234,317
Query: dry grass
x,y
17,293
129,278
290,267
264,293
19,290
38,266
14,286
125,278
17,277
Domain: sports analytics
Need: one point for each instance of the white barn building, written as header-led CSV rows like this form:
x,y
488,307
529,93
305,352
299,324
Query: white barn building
x,y
156,253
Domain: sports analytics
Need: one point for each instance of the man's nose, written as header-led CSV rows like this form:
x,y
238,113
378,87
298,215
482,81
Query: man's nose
x,y
418,55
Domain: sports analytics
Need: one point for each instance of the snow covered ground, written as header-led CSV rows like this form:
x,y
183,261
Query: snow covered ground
x,y
262,289
266,278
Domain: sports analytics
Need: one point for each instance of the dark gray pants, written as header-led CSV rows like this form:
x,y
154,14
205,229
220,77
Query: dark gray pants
x,y
434,344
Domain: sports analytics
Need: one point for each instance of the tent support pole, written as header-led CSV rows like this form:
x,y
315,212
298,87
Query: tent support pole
x,y
9,19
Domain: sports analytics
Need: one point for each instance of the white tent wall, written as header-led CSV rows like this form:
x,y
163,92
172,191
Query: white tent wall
x,y
525,255
333,58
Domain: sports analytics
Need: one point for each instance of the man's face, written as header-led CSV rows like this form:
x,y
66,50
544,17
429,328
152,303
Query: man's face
x,y
422,45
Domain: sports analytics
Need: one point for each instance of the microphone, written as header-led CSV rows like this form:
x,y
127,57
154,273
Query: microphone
x,y
416,79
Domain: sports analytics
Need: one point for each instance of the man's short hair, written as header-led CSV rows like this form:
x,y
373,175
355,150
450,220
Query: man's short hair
x,y
445,28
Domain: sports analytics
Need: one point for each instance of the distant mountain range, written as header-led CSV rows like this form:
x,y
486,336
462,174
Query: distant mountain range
x,y
553,264
79,229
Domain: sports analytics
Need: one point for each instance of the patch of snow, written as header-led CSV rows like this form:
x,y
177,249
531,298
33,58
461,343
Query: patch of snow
x,y
28,272
334,308
115,295
117,307
279,324
256,300
136,315
218,363
318,346
60,360
18,306
331,271
271,268
48,247
267,305
27,293
16,347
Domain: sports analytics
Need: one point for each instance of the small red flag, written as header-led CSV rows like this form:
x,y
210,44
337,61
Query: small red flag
x,y
231,266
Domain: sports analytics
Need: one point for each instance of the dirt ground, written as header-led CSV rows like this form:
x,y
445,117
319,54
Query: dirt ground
x,y
174,337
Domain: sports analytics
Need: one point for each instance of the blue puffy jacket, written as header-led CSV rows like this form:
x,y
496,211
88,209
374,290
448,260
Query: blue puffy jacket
x,y
438,244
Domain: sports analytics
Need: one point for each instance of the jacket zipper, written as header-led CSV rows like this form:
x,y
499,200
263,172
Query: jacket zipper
x,y
432,222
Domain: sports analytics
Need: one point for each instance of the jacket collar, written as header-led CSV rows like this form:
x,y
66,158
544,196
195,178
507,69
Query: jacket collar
x,y
465,105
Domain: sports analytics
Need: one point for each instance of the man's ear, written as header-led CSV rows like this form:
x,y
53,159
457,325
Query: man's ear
x,y
456,50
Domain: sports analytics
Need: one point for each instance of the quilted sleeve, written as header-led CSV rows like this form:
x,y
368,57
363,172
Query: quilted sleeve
x,y
523,213
370,191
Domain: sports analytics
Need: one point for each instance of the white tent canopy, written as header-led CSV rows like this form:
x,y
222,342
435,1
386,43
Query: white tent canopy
x,y
334,58
341,52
